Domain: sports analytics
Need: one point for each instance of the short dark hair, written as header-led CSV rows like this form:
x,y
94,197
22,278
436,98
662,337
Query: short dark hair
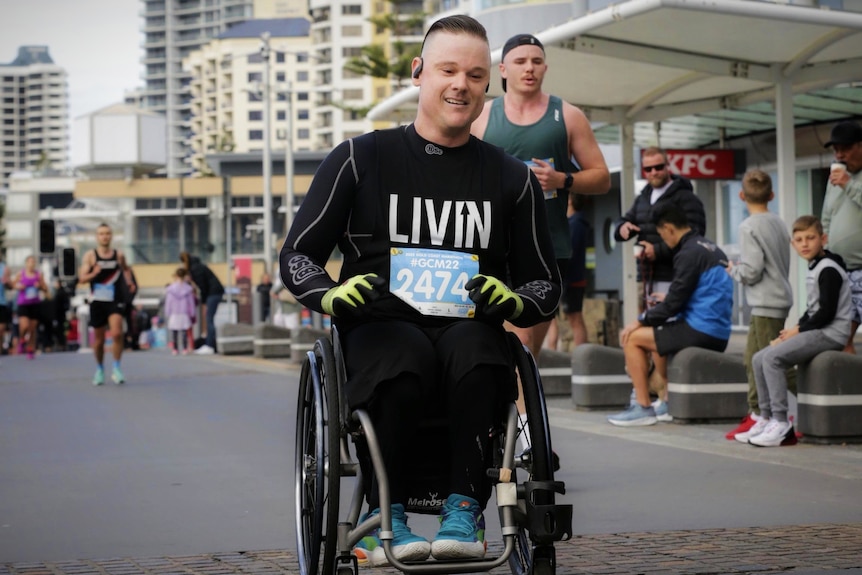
x,y
756,186
670,214
803,223
654,151
456,24
579,201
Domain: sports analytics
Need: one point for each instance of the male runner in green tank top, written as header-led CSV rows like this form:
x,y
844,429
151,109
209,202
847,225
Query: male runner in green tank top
x,y
546,133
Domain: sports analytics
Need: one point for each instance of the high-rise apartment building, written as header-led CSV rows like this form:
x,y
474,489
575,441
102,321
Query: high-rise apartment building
x,y
34,114
228,84
173,29
339,31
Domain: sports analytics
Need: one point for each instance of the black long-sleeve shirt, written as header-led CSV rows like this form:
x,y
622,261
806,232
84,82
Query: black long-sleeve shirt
x,y
393,189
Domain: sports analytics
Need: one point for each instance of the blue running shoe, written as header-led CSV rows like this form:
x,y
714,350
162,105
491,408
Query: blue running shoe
x,y
99,377
405,545
462,530
661,412
366,546
117,375
635,415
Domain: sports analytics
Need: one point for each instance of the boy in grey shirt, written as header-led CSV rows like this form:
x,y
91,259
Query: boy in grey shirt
x,y
824,326
763,269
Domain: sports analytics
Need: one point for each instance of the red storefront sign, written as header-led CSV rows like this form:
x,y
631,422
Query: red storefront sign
x,y
702,164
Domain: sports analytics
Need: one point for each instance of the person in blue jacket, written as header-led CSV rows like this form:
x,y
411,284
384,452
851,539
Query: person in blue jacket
x,y
695,312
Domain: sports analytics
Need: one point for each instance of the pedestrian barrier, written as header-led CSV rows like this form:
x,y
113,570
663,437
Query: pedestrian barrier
x,y
555,369
706,385
303,342
271,341
829,399
599,377
235,338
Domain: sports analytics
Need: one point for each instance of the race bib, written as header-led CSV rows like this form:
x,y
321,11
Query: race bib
x,y
432,281
31,292
103,292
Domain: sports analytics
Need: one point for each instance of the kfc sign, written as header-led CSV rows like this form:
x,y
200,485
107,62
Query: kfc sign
x,y
702,164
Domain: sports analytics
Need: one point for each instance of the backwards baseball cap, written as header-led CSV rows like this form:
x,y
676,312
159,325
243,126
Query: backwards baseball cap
x,y
519,40
845,133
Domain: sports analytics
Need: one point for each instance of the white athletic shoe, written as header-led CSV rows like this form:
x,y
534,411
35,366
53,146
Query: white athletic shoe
x,y
773,435
755,430
204,350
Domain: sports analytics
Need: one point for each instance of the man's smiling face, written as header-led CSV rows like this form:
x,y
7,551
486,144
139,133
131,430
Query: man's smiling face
x,y
455,71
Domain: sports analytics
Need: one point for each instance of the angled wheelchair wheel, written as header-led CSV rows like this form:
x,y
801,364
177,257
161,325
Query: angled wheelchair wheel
x,y
529,558
317,461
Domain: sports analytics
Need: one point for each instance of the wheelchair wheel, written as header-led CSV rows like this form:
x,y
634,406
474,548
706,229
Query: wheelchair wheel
x,y
527,558
317,459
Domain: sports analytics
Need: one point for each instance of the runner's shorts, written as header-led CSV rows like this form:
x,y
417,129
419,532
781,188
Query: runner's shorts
x,y
100,311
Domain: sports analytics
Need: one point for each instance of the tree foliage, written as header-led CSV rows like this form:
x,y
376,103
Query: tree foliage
x,y
393,60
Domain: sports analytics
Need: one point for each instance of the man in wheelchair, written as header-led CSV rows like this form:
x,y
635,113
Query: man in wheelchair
x,y
443,238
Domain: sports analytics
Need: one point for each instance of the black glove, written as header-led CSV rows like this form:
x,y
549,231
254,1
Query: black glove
x,y
353,296
494,298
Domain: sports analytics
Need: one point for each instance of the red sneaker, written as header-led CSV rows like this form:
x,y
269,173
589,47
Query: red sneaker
x,y
746,424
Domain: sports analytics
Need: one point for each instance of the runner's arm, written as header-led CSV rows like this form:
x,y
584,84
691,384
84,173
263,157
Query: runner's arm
x,y
593,177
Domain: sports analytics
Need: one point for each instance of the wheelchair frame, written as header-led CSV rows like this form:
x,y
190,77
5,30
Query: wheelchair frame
x,y
530,519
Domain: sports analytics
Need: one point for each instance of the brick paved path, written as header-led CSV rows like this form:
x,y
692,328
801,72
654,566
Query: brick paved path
x,y
711,551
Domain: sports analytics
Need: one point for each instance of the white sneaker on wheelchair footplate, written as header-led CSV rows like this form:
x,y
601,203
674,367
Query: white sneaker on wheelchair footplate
x,y
462,530
405,545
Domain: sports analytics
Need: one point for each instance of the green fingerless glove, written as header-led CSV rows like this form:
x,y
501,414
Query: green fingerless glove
x,y
353,296
494,298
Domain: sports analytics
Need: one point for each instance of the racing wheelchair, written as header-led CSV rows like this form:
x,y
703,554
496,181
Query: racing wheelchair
x,y
328,435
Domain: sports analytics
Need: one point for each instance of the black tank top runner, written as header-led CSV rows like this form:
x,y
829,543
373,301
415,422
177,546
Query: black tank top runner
x,y
109,275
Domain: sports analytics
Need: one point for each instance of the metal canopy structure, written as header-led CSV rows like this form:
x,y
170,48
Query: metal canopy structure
x,y
695,73
706,69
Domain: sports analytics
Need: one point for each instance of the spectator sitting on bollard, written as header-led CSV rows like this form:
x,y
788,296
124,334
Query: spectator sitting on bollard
x,y
763,269
824,326
696,311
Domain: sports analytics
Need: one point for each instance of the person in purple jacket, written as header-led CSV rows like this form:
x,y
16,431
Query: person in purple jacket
x,y
180,310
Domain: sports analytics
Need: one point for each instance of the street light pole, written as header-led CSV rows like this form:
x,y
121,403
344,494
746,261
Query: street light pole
x,y
288,159
267,156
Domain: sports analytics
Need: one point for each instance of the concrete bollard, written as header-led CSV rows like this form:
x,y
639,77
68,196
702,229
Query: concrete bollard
x,y
235,339
706,385
303,342
829,399
599,377
271,341
555,369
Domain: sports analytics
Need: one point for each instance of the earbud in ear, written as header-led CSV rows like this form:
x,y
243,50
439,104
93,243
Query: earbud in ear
x,y
418,69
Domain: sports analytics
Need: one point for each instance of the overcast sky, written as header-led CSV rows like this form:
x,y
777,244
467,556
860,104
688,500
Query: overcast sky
x,y
98,42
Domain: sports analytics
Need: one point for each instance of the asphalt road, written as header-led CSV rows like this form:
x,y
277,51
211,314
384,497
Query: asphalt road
x,y
194,455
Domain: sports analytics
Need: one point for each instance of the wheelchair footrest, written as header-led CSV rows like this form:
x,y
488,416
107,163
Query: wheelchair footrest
x,y
547,522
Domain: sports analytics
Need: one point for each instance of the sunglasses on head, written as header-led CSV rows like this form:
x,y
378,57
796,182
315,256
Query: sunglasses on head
x,y
656,168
